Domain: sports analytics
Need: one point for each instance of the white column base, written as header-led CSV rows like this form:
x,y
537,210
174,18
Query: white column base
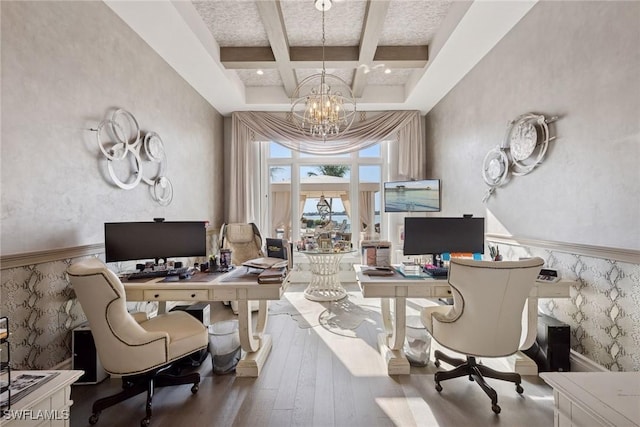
x,y
251,363
397,363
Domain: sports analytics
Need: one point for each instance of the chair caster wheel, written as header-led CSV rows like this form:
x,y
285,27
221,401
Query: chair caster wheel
x,y
195,388
519,388
94,418
145,422
437,363
495,408
438,388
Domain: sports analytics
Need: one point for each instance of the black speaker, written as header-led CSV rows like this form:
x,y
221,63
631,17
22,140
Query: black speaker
x,y
199,310
552,348
85,357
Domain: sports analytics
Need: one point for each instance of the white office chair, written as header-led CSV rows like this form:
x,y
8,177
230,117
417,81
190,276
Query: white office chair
x,y
140,350
245,242
485,319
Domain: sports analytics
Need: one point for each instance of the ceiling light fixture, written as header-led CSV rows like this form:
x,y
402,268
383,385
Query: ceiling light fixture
x,y
259,72
323,105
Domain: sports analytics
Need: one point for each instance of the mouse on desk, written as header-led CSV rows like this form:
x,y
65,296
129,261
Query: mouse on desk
x,y
184,276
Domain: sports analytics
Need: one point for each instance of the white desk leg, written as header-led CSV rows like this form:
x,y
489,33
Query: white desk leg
x,y
522,364
256,346
391,341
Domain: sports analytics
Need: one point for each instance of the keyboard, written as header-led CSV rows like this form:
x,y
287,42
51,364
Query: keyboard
x,y
152,274
436,271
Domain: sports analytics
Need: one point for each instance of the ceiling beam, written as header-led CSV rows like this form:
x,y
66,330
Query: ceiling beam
x,y
311,57
371,30
271,14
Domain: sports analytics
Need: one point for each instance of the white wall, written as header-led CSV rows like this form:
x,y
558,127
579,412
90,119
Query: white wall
x,y
64,66
578,60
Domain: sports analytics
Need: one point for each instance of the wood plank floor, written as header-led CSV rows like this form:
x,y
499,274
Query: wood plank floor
x,y
314,377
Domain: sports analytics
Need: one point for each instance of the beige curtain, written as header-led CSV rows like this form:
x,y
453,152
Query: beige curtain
x,y
281,211
243,147
273,127
366,210
411,151
404,126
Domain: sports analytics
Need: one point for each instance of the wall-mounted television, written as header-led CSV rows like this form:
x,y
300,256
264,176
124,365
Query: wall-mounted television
x,y
127,241
412,196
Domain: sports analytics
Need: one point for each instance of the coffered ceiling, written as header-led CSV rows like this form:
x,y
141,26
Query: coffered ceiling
x,y
251,54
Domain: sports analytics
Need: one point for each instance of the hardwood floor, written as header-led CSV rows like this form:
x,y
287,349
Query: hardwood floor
x,y
314,377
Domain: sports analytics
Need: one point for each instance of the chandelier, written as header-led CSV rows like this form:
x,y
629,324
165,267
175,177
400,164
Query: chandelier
x,y
323,106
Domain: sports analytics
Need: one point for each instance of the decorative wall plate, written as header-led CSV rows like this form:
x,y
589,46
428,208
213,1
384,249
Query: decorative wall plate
x,y
523,148
527,140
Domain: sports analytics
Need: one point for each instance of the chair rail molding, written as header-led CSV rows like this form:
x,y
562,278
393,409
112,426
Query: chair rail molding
x,y
617,254
39,257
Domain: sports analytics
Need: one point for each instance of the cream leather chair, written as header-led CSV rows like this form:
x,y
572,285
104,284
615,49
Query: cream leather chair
x,y
140,350
245,242
485,319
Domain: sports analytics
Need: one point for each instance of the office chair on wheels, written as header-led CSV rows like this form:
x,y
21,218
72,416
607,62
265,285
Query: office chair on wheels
x,y
485,319
140,350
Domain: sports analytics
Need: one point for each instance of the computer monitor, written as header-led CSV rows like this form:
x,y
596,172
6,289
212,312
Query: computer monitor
x,y
128,241
437,235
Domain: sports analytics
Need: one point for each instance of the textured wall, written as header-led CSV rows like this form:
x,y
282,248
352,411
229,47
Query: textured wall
x,y
578,60
603,309
64,65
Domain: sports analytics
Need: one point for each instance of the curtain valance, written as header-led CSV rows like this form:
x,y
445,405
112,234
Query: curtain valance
x,y
272,127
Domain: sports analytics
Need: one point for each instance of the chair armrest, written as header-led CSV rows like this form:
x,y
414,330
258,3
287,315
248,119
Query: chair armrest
x,y
140,316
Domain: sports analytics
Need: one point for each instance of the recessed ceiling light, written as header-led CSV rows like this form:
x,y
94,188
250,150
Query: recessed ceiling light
x,y
387,71
259,72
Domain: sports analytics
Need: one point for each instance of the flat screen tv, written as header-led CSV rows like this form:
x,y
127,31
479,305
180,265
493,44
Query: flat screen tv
x,y
128,241
437,235
412,196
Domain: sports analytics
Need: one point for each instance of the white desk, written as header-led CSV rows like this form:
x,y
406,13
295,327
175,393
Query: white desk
x,y
232,286
592,399
48,405
397,289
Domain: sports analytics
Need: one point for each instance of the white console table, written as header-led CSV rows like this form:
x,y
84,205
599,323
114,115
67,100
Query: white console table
x,y
49,405
592,399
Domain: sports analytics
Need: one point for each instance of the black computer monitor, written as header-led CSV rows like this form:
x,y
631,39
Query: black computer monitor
x,y
437,235
128,241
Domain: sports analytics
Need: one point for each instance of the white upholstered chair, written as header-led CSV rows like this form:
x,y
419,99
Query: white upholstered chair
x,y
485,319
245,242
140,350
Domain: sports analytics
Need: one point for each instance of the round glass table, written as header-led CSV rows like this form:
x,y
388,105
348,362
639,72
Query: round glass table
x,y
324,284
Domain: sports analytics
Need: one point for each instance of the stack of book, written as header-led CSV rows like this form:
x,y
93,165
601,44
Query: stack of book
x,y
410,269
272,275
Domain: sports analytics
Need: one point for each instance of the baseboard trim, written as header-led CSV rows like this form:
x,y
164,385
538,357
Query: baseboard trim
x,y
580,363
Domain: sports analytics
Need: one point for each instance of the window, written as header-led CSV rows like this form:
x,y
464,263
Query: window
x,y
349,186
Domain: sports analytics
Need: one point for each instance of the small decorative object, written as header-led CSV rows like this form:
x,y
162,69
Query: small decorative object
x,y
118,137
524,147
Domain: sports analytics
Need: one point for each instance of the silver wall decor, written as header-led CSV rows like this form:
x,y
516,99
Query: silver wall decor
x,y
523,148
118,137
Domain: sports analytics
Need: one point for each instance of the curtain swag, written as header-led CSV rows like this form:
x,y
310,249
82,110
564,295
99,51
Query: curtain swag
x,y
361,135
248,126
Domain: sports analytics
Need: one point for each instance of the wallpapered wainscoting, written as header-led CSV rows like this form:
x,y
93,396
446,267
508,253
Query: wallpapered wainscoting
x,y
604,309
